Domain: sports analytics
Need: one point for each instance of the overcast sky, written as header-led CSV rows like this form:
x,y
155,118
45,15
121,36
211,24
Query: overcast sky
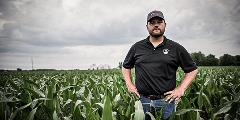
x,y
74,34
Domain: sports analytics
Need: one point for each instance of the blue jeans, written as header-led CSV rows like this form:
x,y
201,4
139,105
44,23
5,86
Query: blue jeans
x,y
153,106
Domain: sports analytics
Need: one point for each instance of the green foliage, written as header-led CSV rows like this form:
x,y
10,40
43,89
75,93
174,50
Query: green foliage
x,y
214,94
139,114
227,60
102,94
199,58
210,60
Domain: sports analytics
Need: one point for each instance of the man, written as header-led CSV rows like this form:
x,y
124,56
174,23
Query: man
x,y
156,60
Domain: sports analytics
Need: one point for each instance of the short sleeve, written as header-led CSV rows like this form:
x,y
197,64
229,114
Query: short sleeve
x,y
129,61
185,60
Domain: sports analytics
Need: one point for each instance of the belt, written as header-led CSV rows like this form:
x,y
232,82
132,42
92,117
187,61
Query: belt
x,y
154,97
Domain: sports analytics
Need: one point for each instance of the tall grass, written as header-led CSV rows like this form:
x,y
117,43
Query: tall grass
x,y
102,94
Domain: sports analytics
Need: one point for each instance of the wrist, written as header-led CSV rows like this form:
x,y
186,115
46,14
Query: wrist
x,y
181,89
129,84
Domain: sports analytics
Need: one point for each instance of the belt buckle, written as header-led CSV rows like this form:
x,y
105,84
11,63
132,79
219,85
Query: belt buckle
x,y
154,97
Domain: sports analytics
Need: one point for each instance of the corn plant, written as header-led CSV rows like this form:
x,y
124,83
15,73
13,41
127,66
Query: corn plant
x,y
102,95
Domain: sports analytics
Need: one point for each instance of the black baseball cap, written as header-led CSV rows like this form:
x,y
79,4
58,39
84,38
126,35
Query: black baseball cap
x,y
155,13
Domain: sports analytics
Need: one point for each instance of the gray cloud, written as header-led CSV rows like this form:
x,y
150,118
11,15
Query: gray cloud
x,y
57,24
207,19
35,27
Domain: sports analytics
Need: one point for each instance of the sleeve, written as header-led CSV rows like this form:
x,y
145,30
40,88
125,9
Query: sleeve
x,y
129,60
186,62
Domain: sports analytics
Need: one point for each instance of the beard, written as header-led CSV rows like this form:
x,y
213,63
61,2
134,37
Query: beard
x,y
157,35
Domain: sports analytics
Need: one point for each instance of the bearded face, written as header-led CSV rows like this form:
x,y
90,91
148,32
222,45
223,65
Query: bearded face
x,y
156,27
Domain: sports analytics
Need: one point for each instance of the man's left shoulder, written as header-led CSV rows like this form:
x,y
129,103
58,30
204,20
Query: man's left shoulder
x,y
173,43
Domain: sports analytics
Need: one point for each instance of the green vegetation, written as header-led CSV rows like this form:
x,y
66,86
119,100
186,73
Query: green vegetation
x,y
102,94
215,94
210,60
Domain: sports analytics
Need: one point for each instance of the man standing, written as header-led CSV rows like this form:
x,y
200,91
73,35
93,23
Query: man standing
x,y
156,60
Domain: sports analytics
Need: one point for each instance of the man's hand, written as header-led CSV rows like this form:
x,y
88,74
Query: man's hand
x,y
178,92
175,94
132,89
127,77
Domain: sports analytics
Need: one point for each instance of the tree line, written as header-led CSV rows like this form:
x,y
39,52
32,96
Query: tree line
x,y
210,60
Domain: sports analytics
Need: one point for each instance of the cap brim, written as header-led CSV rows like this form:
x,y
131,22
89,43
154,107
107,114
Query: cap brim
x,y
155,17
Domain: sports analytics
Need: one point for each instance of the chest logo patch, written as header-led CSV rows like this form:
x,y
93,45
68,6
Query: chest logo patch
x,y
165,51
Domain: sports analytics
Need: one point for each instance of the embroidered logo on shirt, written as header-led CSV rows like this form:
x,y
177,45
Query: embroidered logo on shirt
x,y
165,51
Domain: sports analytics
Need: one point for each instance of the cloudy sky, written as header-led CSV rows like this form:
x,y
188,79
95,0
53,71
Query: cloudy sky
x,y
74,34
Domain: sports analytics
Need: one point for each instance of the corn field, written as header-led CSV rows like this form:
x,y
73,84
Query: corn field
x,y
102,95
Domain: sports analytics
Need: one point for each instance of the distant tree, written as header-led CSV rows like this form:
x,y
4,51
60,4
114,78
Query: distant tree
x,y
210,60
45,69
19,69
227,60
237,58
199,58
120,65
93,67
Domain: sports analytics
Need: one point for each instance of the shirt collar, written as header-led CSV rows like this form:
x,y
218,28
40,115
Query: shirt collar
x,y
162,44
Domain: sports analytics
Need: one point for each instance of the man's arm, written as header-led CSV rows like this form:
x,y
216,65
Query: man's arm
x,y
178,92
127,77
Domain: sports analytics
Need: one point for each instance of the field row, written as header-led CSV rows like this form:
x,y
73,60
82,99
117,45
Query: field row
x,y
102,94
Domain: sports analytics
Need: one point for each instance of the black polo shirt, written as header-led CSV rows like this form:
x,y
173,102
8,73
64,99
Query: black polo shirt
x,y
155,67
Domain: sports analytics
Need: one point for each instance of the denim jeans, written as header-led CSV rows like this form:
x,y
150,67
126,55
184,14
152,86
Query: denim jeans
x,y
153,106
